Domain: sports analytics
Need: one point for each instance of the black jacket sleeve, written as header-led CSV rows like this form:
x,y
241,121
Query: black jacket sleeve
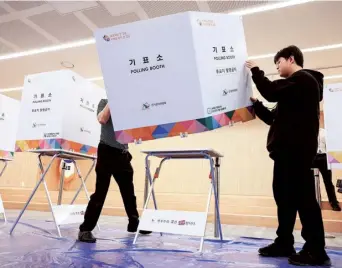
x,y
264,113
273,91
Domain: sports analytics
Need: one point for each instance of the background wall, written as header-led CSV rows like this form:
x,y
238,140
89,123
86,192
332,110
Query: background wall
x,y
246,168
246,178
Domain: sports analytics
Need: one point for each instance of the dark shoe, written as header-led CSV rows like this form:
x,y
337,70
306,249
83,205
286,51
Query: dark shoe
x,y
133,227
144,232
277,250
335,206
305,258
86,237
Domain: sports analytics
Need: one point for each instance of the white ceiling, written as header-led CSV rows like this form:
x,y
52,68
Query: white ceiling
x,y
26,25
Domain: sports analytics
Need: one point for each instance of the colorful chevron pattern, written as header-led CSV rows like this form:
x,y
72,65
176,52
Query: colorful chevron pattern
x,y
334,157
48,144
190,126
6,155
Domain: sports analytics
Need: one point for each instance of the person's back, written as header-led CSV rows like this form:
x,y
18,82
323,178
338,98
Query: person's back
x,y
107,130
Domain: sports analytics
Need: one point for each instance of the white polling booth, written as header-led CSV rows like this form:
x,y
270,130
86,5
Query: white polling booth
x,y
176,75
332,120
58,112
332,108
58,118
9,113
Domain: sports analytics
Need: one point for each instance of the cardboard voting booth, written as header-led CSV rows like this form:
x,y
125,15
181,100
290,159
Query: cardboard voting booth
x,y
9,113
59,112
182,73
58,118
332,119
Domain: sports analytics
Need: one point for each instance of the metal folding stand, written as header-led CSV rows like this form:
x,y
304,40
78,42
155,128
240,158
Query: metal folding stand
x,y
317,186
62,155
214,160
5,162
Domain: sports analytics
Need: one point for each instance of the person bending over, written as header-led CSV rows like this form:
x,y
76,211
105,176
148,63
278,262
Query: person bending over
x,y
292,144
113,159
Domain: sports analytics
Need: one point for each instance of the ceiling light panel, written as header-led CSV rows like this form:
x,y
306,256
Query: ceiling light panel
x,y
273,6
21,35
229,6
118,8
3,11
24,5
49,49
156,9
67,7
102,18
56,25
4,49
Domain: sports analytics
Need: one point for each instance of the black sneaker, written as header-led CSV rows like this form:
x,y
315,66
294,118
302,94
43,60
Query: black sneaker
x,y
335,206
305,258
277,250
143,232
133,227
86,237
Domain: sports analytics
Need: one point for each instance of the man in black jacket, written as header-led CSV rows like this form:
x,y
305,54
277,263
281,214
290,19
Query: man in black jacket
x,y
292,144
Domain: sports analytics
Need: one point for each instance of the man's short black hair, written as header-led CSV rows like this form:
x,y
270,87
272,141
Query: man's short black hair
x,y
289,51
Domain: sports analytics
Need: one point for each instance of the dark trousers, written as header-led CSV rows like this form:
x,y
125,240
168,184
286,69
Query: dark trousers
x,y
294,190
117,163
322,165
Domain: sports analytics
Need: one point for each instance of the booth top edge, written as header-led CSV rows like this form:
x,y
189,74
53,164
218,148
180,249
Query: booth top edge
x,y
184,152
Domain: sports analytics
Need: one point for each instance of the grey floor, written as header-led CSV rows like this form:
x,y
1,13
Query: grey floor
x,y
229,231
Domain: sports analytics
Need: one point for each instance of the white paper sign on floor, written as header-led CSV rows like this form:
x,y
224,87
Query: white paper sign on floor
x,y
59,112
67,214
9,114
2,210
332,119
174,222
179,73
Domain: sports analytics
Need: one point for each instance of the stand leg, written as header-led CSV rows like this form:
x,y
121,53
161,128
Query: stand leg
x,y
317,187
34,191
207,211
148,172
5,217
61,184
2,172
217,177
83,184
4,167
216,195
146,181
145,206
158,175
48,195
85,180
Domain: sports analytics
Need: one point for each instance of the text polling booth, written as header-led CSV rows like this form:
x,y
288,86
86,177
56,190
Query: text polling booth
x,y
58,119
9,113
175,75
332,121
